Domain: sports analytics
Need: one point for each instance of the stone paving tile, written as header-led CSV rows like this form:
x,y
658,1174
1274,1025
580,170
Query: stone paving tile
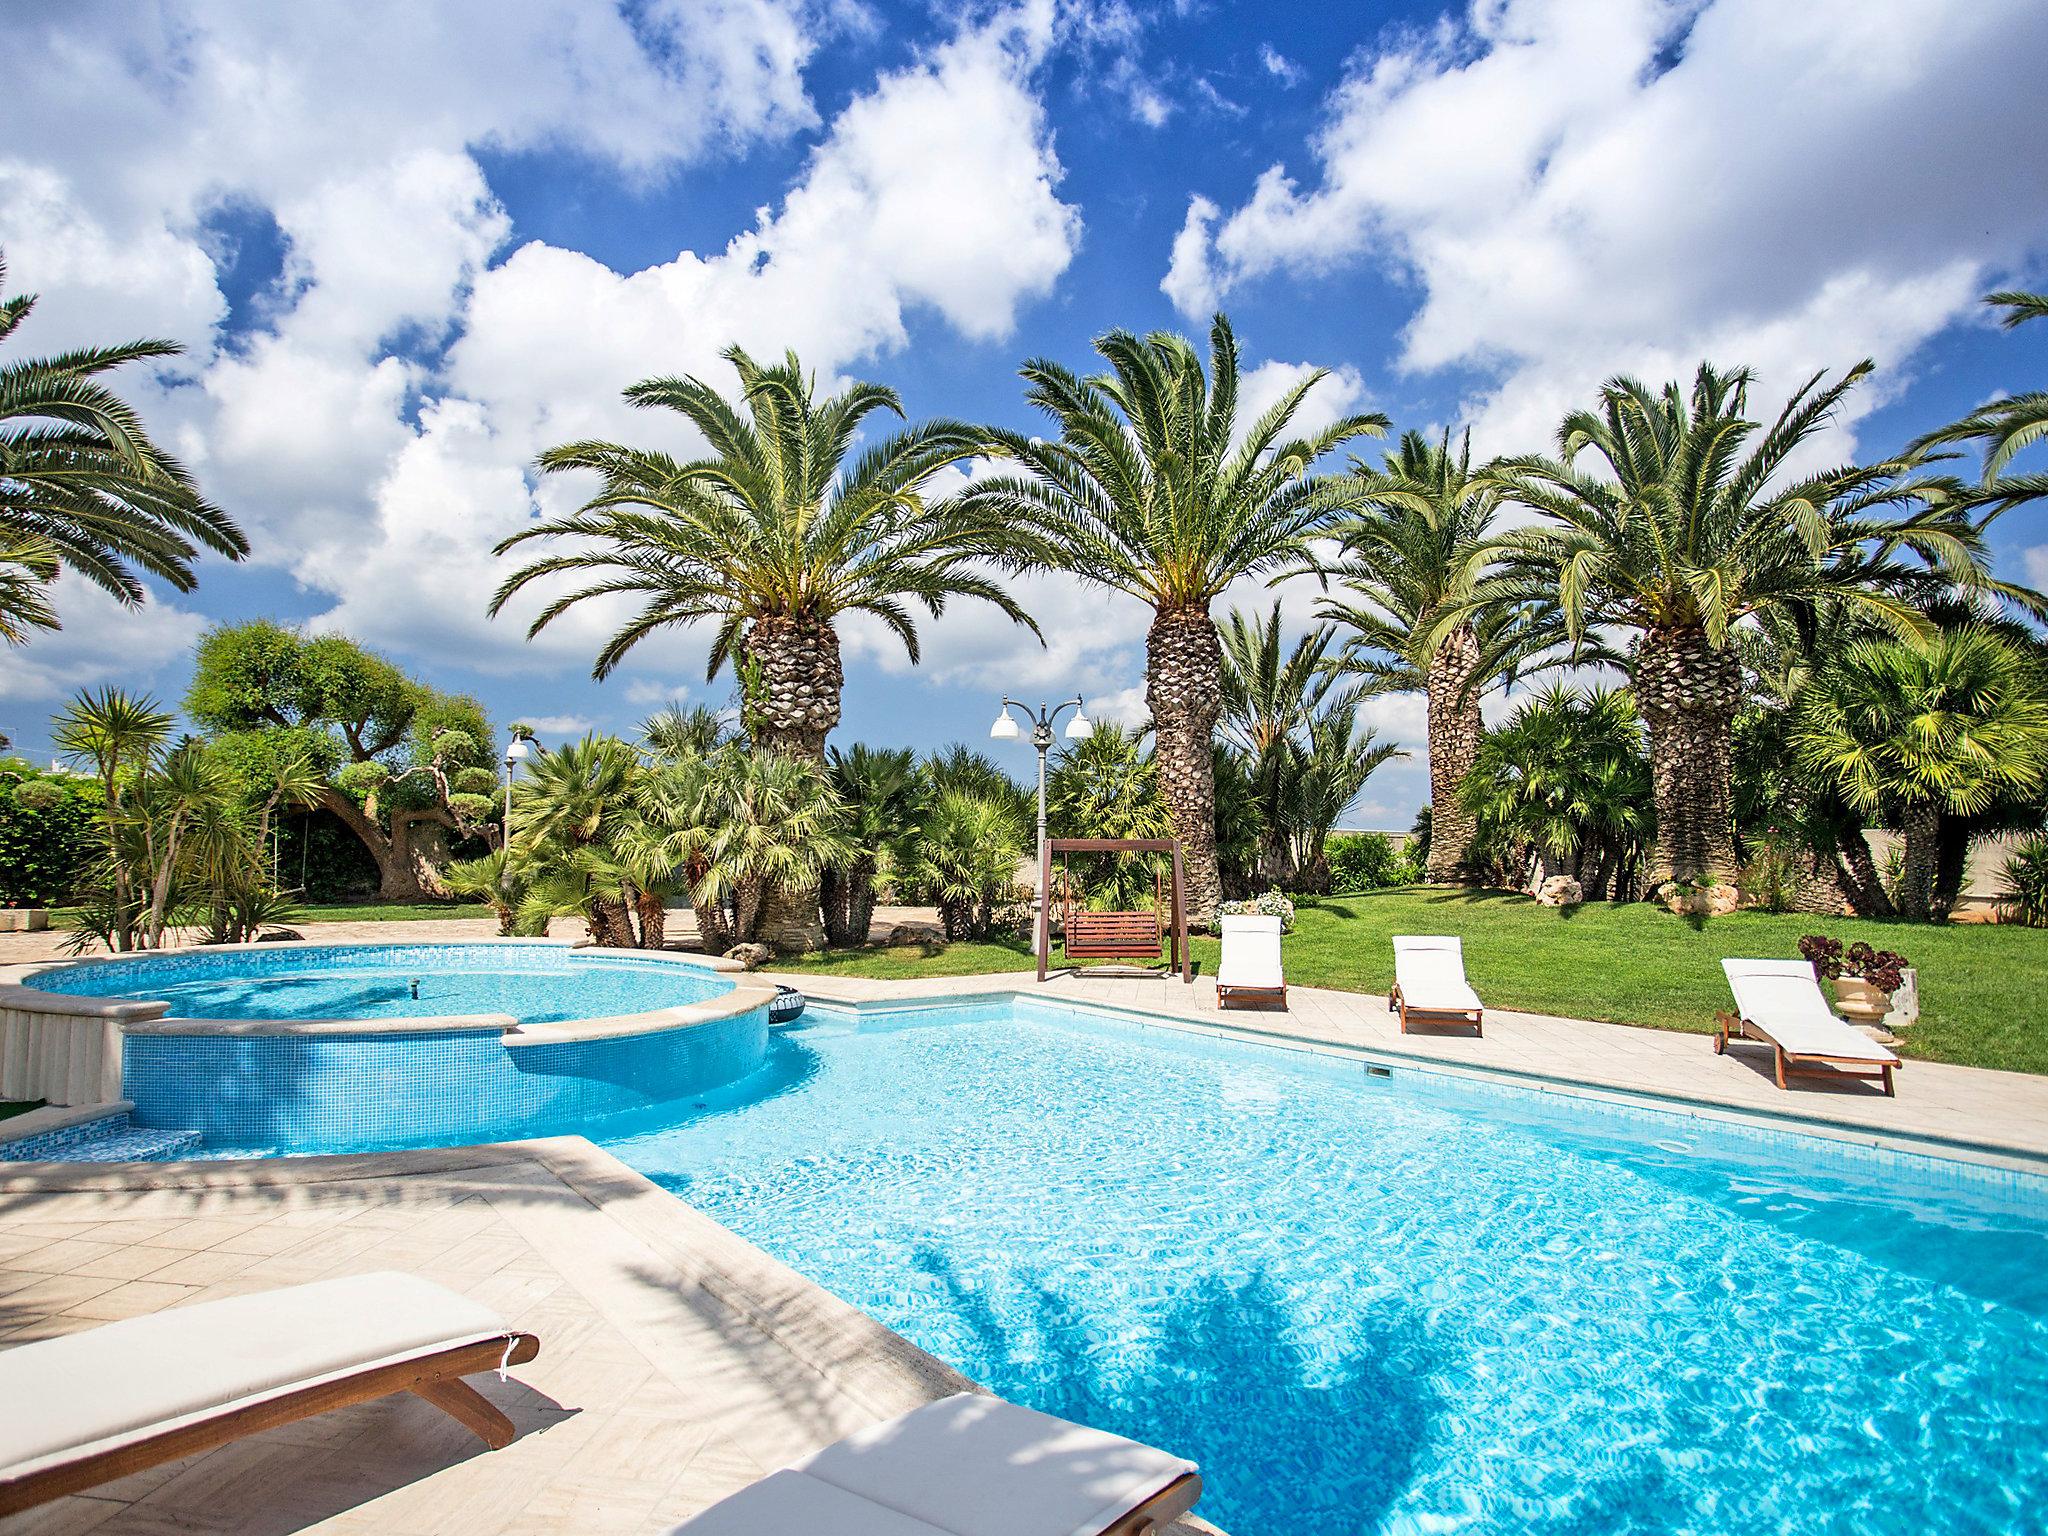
x,y
677,1363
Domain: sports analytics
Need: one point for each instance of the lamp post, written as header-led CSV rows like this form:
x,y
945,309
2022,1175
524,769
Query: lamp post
x,y
1080,728
515,750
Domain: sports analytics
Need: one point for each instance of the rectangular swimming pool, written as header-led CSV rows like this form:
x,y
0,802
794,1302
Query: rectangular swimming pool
x,y
1406,1305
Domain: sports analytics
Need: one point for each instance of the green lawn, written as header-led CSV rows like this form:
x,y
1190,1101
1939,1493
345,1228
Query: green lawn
x,y
1982,986
359,912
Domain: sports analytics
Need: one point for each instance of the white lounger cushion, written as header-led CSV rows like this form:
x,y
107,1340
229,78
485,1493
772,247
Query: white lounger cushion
x,y
1782,1000
964,1466
123,1382
1251,952
1430,972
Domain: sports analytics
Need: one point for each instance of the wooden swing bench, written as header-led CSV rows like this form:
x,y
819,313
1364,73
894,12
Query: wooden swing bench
x,y
1135,936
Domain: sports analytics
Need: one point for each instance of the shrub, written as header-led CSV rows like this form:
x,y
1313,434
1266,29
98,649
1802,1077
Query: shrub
x,y
1272,904
2025,897
1368,861
1770,880
47,835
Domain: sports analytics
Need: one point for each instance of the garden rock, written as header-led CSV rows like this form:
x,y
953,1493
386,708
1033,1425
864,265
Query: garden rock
x,y
915,932
752,956
1560,891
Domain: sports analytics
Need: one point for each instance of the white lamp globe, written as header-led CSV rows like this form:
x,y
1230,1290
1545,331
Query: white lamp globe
x,y
1005,728
1080,728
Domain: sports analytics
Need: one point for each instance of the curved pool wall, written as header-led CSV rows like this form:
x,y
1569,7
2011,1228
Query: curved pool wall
x,y
309,1085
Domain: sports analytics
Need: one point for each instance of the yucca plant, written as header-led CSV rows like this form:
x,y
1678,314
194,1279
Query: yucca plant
x,y
1700,522
1157,488
83,487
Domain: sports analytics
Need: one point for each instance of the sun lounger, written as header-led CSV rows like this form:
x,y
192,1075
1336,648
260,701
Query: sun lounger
x,y
1430,985
1779,1002
1249,972
89,1407
965,1466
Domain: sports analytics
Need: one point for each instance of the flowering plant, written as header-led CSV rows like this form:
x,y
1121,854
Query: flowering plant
x,y
1272,904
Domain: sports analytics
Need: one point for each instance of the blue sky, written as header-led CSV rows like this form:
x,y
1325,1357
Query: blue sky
x,y
407,246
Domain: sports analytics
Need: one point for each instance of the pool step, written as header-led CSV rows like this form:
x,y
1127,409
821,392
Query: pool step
x,y
109,1138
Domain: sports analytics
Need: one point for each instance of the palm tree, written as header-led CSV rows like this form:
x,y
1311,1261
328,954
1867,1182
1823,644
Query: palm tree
x,y
883,799
773,823
1156,489
1699,526
966,859
1107,785
1300,747
1565,778
1409,559
772,537
571,800
27,567
1943,727
2004,426
81,484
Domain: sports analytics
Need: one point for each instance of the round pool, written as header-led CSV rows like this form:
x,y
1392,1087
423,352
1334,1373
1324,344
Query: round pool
x,y
532,983
303,1047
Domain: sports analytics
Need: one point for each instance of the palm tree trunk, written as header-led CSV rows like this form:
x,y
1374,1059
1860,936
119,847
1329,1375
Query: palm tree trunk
x,y
653,913
1184,690
1455,727
1689,693
792,703
1922,827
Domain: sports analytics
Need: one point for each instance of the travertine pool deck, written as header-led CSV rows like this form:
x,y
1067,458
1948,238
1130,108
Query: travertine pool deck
x,y
677,1362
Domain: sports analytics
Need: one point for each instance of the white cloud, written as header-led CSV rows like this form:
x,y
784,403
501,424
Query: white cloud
x,y
380,469
1565,183
1340,392
559,725
2035,560
649,693
143,648
1279,66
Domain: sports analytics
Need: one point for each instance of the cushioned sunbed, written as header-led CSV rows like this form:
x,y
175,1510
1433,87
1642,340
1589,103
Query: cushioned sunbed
x,y
1250,969
89,1407
1430,985
964,1466
1779,1002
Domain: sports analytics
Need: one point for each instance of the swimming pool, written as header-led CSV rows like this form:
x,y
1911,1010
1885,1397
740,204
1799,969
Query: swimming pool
x,y
532,983
1408,1305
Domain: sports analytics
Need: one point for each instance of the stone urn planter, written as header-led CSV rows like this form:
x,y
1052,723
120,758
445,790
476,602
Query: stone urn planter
x,y
24,919
1874,988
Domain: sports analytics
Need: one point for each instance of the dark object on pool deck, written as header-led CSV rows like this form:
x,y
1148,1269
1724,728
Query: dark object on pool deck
x,y
788,1005
415,988
131,1395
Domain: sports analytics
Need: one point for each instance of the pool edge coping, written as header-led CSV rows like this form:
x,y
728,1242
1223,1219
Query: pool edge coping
x,y
2001,1156
147,1016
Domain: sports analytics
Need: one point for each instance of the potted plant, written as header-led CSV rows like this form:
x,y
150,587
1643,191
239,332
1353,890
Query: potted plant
x,y
1865,979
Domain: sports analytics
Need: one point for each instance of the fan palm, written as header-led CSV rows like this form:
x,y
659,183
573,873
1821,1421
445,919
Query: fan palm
x,y
82,485
966,859
1946,726
2007,425
772,537
1699,525
1157,489
883,797
1565,776
1409,556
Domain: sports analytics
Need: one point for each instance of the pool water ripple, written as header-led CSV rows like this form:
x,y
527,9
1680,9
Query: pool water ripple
x,y
1370,1309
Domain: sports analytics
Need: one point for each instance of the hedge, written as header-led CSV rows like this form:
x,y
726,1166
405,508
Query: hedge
x,y
46,834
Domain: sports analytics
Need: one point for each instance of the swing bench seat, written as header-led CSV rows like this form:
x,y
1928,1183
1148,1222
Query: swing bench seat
x,y
1113,936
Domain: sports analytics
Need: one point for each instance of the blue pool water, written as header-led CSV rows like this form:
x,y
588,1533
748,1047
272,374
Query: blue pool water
x,y
535,983
1404,1306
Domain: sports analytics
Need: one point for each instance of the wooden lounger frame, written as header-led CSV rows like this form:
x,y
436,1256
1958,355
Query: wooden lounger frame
x,y
1398,1004
435,1377
1229,995
1731,1026
1161,1510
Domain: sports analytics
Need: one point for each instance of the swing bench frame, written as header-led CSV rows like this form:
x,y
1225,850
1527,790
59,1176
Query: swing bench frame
x,y
1115,935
